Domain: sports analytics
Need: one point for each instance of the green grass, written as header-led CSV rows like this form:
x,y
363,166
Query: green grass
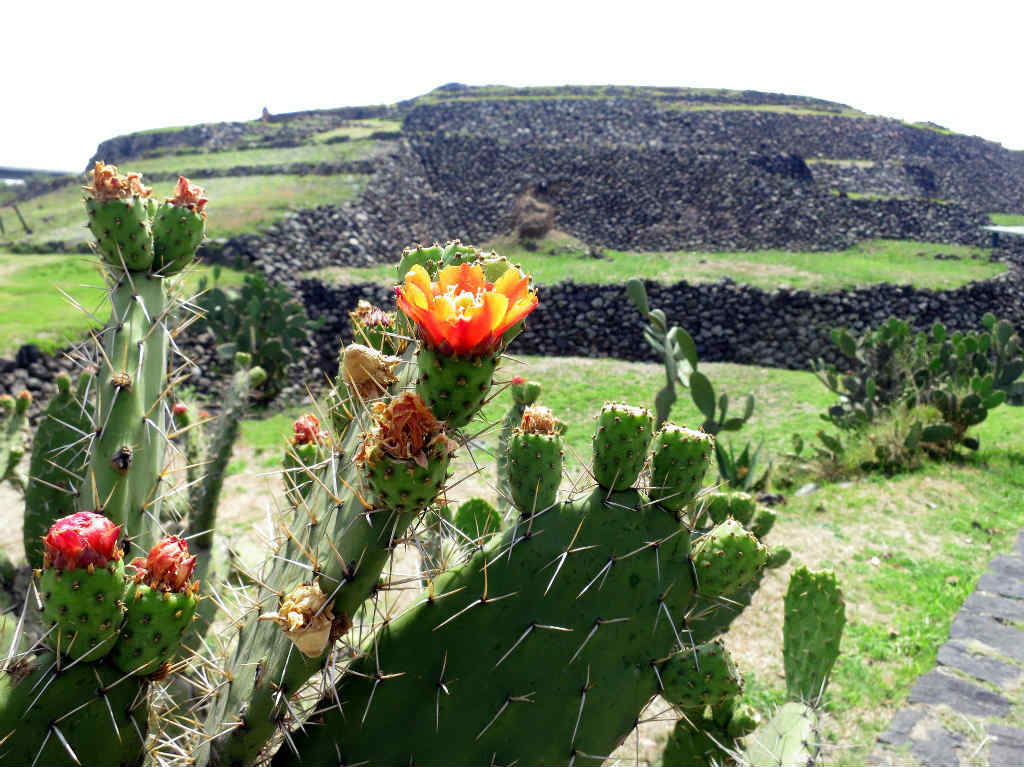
x,y
359,129
238,204
33,311
211,162
1007,219
870,262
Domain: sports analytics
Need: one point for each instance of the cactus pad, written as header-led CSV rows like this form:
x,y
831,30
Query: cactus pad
x,y
155,622
813,626
680,458
476,519
703,676
177,234
727,558
620,444
122,231
788,738
739,506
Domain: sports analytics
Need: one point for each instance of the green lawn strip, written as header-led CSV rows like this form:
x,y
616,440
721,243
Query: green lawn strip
x,y
1007,219
238,204
33,311
868,263
211,162
358,129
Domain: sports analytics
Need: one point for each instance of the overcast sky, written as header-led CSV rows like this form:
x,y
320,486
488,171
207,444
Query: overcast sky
x,y
77,73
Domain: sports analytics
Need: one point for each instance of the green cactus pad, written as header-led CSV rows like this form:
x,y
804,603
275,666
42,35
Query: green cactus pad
x,y
703,676
524,394
177,234
67,417
476,519
726,559
811,632
87,608
402,485
454,387
85,702
428,258
764,521
456,253
696,746
535,470
620,444
777,557
680,458
154,624
788,738
722,506
122,229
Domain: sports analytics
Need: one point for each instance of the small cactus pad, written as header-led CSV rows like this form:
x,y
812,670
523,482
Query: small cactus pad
x,y
777,557
680,457
788,738
454,387
476,519
535,470
155,622
696,746
726,559
763,522
620,444
456,253
122,231
699,677
739,506
100,717
86,607
428,258
813,626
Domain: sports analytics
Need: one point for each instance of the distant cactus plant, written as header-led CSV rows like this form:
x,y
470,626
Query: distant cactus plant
x,y
13,417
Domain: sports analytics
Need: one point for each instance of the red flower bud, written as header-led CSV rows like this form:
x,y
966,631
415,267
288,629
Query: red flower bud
x,y
79,540
168,566
518,381
180,408
307,430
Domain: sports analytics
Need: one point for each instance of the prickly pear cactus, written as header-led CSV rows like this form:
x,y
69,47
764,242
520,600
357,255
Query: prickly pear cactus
x,y
120,217
705,676
13,416
680,457
535,460
620,444
815,618
179,228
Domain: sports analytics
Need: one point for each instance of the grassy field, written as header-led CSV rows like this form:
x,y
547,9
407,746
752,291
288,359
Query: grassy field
x,y
238,204
874,261
907,550
211,162
1007,219
33,311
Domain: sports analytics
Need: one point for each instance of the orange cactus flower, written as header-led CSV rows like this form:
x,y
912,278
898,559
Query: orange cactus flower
x,y
462,313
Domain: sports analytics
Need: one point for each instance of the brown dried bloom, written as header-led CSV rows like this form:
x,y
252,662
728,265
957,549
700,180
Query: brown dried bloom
x,y
538,419
305,618
367,371
404,429
107,184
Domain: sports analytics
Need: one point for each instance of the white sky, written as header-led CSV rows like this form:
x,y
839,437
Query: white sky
x,y
76,73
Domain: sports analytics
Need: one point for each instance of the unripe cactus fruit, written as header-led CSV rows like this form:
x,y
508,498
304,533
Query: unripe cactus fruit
x,y
375,328
462,320
120,217
179,228
161,600
405,455
82,584
699,677
305,450
727,558
680,458
620,444
722,506
535,460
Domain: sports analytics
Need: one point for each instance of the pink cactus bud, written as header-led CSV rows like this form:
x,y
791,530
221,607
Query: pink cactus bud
x,y
168,566
82,539
307,430
180,408
518,381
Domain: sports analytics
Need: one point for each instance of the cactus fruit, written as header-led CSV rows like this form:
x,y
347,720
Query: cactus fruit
x,y
739,506
179,228
89,714
82,584
813,627
305,452
620,444
523,393
120,212
704,676
375,328
726,558
535,460
161,600
428,258
463,322
680,459
59,457
405,455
